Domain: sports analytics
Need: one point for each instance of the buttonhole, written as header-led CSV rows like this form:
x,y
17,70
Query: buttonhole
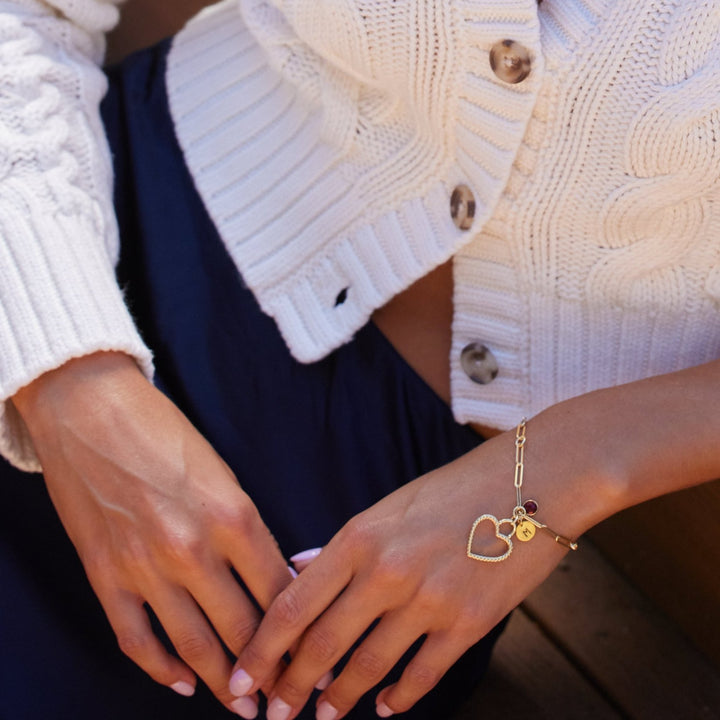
x,y
341,297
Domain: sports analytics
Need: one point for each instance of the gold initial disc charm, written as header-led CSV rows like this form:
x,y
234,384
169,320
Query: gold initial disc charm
x,y
525,531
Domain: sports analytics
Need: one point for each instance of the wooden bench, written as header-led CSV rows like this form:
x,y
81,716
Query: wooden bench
x,y
587,644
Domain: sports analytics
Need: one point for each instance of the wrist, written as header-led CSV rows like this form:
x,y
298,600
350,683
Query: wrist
x,y
575,483
72,384
524,524
623,445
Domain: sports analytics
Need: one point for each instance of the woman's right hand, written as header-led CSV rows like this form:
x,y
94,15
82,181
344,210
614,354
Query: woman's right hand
x,y
156,517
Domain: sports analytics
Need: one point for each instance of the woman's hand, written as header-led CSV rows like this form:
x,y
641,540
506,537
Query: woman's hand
x,y
156,517
403,561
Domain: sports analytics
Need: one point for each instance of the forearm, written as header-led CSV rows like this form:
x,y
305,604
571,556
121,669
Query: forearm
x,y
617,447
58,235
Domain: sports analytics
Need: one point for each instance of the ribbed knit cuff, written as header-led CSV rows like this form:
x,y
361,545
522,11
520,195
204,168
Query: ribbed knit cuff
x,y
58,300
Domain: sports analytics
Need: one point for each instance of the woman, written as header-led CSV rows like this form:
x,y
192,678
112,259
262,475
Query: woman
x,y
524,201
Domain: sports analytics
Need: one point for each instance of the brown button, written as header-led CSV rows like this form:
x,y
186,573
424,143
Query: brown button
x,y
462,207
510,61
478,363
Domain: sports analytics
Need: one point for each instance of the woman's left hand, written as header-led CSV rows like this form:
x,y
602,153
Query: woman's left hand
x,y
404,561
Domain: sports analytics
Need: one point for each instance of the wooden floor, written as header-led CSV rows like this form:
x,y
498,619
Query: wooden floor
x,y
587,645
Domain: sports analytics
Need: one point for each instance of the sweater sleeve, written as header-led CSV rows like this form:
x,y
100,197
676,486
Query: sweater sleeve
x,y
58,237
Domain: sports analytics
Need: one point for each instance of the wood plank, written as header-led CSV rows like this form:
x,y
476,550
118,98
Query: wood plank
x,y
529,677
670,549
632,652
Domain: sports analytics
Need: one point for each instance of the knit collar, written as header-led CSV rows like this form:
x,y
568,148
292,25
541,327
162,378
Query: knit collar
x,y
321,154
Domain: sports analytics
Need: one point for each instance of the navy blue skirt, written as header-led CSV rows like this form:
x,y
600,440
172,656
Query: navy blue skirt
x,y
312,445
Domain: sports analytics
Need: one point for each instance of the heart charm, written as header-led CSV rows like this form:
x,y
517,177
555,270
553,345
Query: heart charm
x,y
506,538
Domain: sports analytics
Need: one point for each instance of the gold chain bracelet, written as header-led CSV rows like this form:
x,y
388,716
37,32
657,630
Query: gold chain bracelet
x,y
522,523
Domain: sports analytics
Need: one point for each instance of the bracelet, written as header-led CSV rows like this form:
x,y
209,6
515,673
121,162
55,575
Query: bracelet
x,y
522,523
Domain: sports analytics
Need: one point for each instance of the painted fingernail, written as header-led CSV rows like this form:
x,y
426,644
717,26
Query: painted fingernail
x,y
183,688
324,682
240,683
305,556
293,572
383,710
245,707
278,710
325,711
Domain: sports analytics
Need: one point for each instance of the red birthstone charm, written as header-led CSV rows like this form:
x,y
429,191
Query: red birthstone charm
x,y
531,507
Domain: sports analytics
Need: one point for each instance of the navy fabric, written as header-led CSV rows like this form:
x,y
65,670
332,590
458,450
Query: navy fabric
x,y
312,445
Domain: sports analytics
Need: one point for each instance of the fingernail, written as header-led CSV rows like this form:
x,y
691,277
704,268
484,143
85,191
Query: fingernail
x,y
293,572
383,710
324,682
305,556
183,688
245,707
240,683
325,711
278,710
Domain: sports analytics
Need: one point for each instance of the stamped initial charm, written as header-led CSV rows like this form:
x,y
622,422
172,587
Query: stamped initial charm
x,y
506,538
525,531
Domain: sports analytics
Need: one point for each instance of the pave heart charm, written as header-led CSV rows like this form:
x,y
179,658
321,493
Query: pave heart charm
x,y
506,538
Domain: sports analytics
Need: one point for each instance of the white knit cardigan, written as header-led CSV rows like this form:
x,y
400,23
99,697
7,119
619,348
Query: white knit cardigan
x,y
326,138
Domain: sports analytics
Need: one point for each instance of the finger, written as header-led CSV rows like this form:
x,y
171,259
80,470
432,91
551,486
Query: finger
x,y
370,662
330,638
294,609
131,624
436,656
197,644
322,647
240,677
233,616
267,687
226,606
302,559
253,552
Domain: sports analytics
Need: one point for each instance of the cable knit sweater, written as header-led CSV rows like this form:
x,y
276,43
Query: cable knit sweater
x,y
327,137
